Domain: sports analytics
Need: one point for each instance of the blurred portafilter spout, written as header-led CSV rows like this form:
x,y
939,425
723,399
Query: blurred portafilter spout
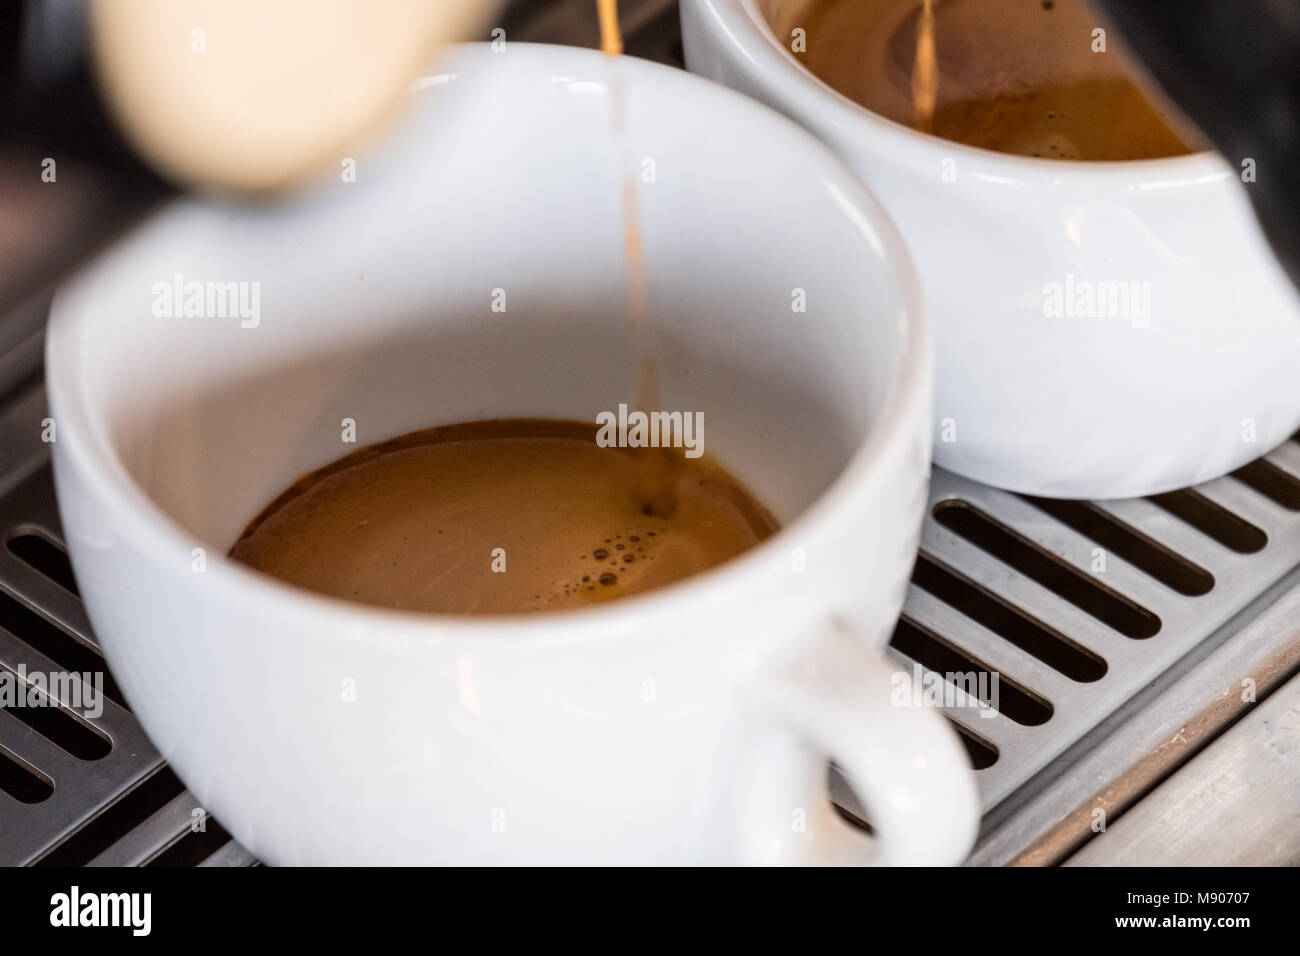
x,y
107,106
255,96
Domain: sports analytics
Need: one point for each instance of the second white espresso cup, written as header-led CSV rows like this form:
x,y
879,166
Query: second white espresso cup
x,y
476,269
1102,329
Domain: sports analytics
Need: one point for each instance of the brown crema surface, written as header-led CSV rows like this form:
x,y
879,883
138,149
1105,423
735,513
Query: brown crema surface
x,y
416,522
1016,76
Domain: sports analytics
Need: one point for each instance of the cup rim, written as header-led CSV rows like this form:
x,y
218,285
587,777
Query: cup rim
x,y
85,440
768,54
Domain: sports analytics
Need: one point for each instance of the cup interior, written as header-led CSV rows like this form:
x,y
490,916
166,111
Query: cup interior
x,y
477,268
761,29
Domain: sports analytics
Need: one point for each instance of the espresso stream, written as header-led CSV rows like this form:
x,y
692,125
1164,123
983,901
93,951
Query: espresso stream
x,y
512,516
1017,76
499,517
657,470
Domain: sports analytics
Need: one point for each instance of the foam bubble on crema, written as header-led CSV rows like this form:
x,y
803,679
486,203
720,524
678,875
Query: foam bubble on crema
x,y
622,554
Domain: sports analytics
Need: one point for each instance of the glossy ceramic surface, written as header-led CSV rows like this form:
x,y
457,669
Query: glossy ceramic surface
x,y
689,725
1102,330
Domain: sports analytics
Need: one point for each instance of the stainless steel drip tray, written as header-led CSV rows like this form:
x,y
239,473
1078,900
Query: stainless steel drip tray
x,y
1126,636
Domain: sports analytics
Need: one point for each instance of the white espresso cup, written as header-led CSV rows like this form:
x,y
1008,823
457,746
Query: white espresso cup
x,y
1102,329
472,269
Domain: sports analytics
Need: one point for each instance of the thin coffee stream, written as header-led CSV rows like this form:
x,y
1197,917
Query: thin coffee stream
x,y
499,517
656,472
504,517
1028,77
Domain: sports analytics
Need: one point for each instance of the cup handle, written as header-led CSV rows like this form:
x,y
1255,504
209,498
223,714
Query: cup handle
x,y
836,700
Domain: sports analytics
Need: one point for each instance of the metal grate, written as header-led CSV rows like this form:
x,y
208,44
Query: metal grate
x,y
1084,608
1114,628
74,789
1016,551
1124,586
